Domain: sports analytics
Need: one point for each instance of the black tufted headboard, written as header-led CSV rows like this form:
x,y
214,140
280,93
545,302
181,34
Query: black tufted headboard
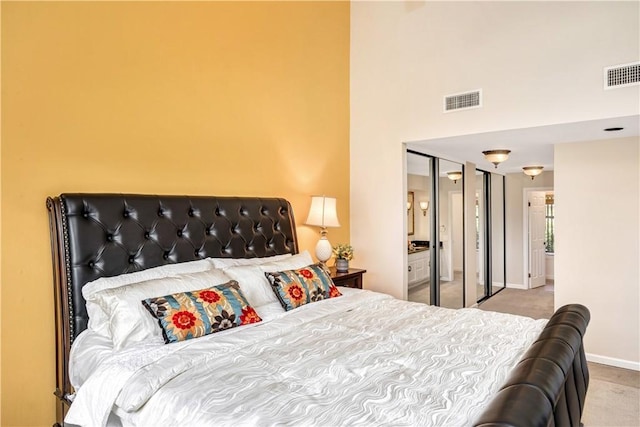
x,y
96,235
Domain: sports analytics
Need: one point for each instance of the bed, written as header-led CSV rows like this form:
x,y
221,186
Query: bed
x,y
341,357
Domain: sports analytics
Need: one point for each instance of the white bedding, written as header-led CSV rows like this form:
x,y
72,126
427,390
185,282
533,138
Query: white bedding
x,y
361,359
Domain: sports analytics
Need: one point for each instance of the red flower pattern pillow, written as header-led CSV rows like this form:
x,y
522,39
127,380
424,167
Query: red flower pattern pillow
x,y
193,314
305,285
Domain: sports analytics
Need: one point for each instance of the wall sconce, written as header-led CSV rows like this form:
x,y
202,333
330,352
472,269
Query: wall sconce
x,y
532,171
424,206
496,156
323,214
454,176
408,206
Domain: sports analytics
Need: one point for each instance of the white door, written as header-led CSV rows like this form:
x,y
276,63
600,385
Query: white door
x,y
536,239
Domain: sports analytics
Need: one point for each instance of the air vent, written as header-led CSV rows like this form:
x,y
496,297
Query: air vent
x,y
463,101
622,75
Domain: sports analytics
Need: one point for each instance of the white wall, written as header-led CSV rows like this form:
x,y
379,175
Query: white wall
x,y
538,63
549,267
597,216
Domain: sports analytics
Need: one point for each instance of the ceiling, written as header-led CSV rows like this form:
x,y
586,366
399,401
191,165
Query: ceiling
x,y
529,146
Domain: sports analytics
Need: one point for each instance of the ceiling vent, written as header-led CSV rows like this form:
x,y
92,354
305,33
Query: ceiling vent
x,y
622,75
463,101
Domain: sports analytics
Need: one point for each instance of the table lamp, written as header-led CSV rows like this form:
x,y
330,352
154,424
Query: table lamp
x,y
323,214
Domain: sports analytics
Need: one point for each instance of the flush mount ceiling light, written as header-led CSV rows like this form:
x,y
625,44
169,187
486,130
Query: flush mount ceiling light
x,y
496,156
532,171
454,176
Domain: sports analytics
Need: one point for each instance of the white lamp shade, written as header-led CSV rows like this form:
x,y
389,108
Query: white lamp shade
x,y
323,212
424,205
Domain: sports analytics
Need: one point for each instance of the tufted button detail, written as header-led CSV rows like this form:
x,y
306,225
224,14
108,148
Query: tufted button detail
x,y
217,212
92,264
132,259
207,231
197,253
85,214
179,233
166,255
147,235
109,237
160,213
125,214
190,212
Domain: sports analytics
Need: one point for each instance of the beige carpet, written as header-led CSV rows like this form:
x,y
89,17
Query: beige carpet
x,y
610,404
536,303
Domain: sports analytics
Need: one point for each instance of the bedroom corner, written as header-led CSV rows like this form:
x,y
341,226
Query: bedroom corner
x,y
201,98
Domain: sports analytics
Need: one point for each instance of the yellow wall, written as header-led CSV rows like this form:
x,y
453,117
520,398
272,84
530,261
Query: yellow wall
x,y
172,98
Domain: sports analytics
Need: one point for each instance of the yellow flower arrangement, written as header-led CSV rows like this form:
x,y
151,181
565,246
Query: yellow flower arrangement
x,y
343,251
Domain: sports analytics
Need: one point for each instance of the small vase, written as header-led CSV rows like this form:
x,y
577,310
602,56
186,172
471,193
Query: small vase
x,y
342,265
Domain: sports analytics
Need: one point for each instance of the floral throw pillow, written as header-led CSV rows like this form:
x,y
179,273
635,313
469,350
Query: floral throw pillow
x,y
193,314
298,287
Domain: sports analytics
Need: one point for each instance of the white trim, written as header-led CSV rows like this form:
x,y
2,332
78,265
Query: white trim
x,y
510,285
612,361
405,224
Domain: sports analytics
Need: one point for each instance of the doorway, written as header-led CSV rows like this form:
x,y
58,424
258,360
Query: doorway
x,y
538,236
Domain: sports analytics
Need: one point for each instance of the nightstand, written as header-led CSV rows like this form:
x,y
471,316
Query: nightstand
x,y
350,279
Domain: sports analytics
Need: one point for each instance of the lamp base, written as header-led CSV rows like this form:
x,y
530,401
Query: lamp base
x,y
323,250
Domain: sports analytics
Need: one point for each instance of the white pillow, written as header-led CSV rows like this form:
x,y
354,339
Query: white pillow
x,y
254,284
143,275
129,321
232,262
293,262
98,319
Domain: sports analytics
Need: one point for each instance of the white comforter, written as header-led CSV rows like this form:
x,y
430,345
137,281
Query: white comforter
x,y
360,359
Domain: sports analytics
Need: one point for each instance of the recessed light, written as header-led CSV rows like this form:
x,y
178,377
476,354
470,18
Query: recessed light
x,y
613,129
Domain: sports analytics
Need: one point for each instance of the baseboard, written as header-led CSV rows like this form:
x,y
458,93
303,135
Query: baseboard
x,y
515,286
612,361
